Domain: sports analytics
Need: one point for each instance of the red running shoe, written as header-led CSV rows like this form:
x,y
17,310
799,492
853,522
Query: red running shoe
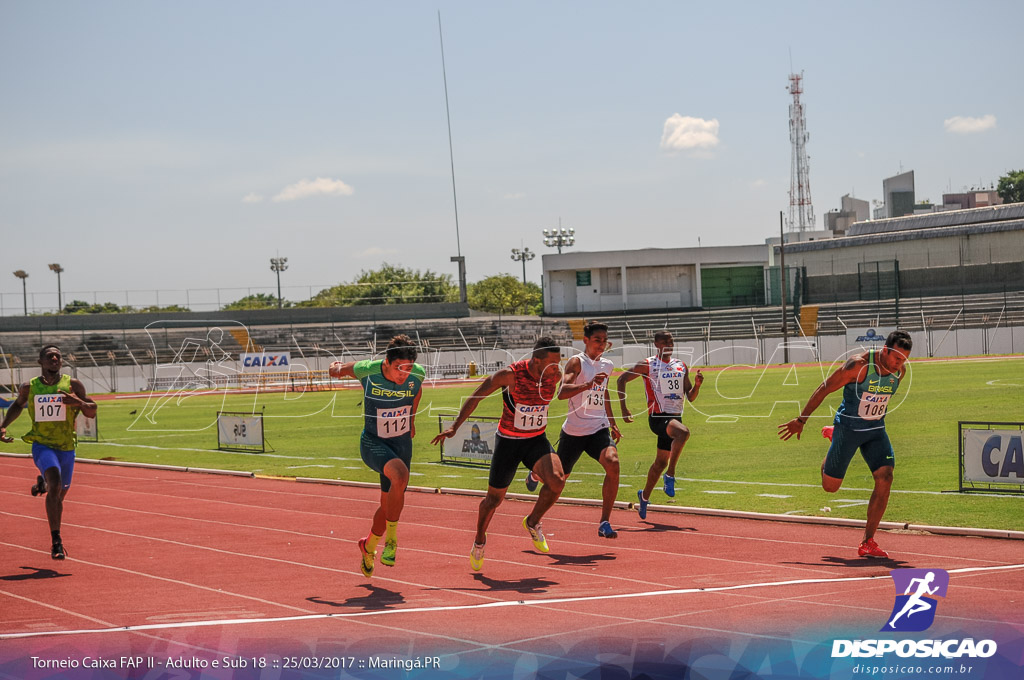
x,y
826,432
870,549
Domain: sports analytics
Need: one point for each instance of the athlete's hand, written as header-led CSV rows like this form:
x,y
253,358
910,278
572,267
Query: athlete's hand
x,y
446,434
616,435
71,400
793,427
4,436
626,415
599,378
334,369
698,378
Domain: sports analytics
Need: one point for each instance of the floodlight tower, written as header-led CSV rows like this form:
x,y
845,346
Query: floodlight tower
x,y
801,212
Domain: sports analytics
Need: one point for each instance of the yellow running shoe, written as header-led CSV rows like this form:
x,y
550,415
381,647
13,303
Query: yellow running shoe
x,y
366,564
387,556
476,557
536,535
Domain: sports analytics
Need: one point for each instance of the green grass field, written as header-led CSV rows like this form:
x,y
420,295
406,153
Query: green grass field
x,y
733,460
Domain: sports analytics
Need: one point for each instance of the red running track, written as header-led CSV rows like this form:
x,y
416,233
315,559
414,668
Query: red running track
x,y
196,565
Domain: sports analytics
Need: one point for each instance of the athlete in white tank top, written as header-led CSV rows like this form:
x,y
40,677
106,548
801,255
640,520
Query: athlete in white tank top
x,y
587,413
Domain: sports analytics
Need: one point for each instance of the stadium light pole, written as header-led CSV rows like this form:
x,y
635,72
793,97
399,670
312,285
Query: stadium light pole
x,y
22,274
57,269
556,238
278,265
523,256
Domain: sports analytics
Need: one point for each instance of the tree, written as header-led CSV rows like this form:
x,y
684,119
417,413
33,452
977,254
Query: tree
x,y
389,285
257,301
82,307
505,294
1011,187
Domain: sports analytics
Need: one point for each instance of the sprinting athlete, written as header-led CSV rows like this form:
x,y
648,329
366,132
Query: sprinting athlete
x,y
668,386
590,425
391,397
916,602
868,380
54,400
527,387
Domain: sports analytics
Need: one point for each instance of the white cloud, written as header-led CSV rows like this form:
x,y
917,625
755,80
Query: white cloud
x,y
758,183
321,186
252,198
684,132
965,125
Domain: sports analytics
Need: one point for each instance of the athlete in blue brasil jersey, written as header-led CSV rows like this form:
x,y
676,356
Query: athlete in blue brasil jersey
x,y
391,397
869,380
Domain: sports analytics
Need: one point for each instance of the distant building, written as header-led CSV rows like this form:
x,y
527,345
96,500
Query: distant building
x,y
898,193
852,210
972,199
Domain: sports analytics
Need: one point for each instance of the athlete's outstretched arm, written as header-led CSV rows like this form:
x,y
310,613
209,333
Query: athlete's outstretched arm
x,y
572,369
620,387
13,411
849,372
692,390
338,369
492,383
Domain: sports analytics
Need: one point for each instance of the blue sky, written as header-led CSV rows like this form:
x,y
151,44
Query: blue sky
x,y
150,145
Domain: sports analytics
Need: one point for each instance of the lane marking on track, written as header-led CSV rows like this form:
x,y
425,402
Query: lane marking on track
x,y
485,605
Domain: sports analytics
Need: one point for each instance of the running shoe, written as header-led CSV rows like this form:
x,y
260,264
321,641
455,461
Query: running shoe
x,y
536,535
670,486
605,531
39,489
531,482
387,556
366,563
476,557
870,549
826,432
58,552
641,507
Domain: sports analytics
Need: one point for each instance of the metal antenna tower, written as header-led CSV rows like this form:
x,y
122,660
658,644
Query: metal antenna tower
x,y
801,212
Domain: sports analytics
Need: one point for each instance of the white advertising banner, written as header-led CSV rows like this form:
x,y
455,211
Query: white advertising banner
x,y
474,440
86,429
994,456
266,361
240,431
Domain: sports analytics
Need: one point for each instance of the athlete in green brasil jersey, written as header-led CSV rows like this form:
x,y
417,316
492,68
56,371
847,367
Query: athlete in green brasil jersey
x,y
868,380
391,397
53,400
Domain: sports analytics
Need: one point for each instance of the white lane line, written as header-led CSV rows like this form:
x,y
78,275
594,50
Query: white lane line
x,y
485,605
218,591
713,491
773,495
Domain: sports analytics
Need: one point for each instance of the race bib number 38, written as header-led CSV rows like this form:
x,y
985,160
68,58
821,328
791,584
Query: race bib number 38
x,y
872,406
531,417
393,422
671,382
49,408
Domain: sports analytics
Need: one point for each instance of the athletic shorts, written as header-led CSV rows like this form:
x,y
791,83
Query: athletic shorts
x,y
45,458
658,423
572,446
509,453
376,453
874,445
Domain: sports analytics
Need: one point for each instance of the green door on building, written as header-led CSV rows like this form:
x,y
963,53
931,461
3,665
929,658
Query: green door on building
x,y
732,286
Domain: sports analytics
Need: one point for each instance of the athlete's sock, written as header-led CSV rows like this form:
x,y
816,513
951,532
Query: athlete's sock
x,y
390,530
371,542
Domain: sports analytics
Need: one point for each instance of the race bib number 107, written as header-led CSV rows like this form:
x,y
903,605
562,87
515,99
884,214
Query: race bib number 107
x,y
49,408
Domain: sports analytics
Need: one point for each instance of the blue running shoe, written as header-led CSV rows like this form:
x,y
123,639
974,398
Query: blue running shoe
x,y
670,486
641,507
531,482
606,531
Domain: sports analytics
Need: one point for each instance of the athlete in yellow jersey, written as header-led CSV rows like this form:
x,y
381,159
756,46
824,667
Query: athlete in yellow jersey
x,y
54,401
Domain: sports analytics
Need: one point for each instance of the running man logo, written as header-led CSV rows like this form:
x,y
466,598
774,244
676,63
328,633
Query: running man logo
x,y
914,610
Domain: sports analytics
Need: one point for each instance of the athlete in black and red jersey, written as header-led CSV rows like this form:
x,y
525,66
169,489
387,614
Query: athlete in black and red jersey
x,y
527,386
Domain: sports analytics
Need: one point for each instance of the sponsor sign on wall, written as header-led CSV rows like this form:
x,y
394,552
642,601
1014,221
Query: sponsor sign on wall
x,y
265,361
474,440
994,456
867,337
